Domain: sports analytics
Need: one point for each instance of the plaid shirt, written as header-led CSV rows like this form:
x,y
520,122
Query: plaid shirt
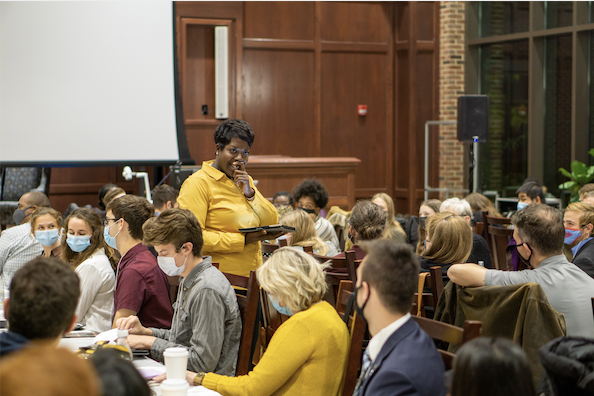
x,y
17,247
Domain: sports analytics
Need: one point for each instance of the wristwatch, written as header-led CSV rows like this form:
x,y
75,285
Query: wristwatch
x,y
199,378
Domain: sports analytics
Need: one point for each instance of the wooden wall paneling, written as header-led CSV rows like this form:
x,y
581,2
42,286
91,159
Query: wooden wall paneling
x,y
284,20
344,132
278,100
361,22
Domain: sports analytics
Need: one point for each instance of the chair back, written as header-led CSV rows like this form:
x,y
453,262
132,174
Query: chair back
x,y
500,237
248,307
449,333
269,247
341,236
173,287
434,280
342,268
356,327
271,318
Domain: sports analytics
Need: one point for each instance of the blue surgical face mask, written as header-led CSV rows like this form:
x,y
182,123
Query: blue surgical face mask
x,y
47,237
522,205
78,243
571,235
276,305
110,240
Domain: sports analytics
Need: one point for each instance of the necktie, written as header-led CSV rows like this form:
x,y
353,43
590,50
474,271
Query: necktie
x,y
365,368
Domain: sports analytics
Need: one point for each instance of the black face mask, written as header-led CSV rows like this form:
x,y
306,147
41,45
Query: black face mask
x,y
359,310
526,261
422,221
310,211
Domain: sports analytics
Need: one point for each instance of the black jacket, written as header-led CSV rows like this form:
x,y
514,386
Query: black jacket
x,y
10,342
584,258
568,367
480,251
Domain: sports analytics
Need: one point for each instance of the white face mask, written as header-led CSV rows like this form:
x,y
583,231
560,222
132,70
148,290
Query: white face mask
x,y
167,265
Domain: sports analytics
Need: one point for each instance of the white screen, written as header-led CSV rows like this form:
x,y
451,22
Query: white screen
x,y
87,82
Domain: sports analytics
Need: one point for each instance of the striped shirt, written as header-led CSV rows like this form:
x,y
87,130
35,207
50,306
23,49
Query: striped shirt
x,y
17,247
325,231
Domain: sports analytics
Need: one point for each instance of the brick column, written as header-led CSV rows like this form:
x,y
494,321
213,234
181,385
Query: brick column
x,y
452,172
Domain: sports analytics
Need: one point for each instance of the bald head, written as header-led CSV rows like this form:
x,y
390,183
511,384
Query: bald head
x,y
29,203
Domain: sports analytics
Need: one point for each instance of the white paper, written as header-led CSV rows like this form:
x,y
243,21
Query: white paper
x,y
109,335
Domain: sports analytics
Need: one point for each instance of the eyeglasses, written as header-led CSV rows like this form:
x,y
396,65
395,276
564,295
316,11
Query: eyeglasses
x,y
106,221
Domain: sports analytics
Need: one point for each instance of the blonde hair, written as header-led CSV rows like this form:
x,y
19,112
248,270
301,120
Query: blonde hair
x,y
480,202
45,211
586,212
450,237
393,225
305,234
294,277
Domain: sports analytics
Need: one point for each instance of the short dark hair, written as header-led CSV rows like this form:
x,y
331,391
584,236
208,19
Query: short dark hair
x,y
392,268
541,227
102,191
233,128
313,189
43,298
491,366
284,194
532,190
38,199
163,194
176,226
119,377
369,220
135,211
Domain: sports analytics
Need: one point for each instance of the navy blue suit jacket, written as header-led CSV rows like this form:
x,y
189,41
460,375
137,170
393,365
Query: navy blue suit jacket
x,y
408,364
584,258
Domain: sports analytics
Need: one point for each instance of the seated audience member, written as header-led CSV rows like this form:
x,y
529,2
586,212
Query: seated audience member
x,y
312,196
164,197
448,241
118,377
142,289
491,367
46,227
17,244
206,318
86,251
368,221
305,234
480,249
47,371
539,233
307,354
394,229
479,204
589,198
586,188
113,194
578,220
43,297
400,359
427,209
284,202
530,193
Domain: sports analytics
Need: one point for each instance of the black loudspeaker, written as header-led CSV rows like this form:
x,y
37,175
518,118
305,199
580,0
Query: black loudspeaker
x,y
473,117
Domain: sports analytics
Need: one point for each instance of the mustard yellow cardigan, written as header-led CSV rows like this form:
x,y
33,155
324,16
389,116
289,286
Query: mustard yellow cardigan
x,y
307,356
222,209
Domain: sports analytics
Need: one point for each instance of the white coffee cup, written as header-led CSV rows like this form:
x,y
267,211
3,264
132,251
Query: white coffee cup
x,y
176,363
174,387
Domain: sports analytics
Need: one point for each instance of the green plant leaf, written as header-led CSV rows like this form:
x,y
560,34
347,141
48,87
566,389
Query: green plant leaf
x,y
566,173
590,173
591,152
569,185
578,168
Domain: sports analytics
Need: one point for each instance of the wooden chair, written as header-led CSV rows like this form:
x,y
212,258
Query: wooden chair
x,y
173,287
341,236
479,228
501,222
346,271
271,318
356,327
499,236
269,247
449,333
248,308
435,281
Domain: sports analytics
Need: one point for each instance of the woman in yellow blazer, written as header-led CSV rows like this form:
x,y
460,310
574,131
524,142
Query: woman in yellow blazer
x,y
308,353
224,199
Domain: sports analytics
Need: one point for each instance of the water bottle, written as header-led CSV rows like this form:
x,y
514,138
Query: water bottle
x,y
123,341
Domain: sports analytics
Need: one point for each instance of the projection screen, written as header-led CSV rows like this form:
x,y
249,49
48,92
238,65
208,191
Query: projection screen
x,y
88,83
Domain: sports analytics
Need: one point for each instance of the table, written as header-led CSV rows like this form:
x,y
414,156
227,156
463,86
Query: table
x,y
141,363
